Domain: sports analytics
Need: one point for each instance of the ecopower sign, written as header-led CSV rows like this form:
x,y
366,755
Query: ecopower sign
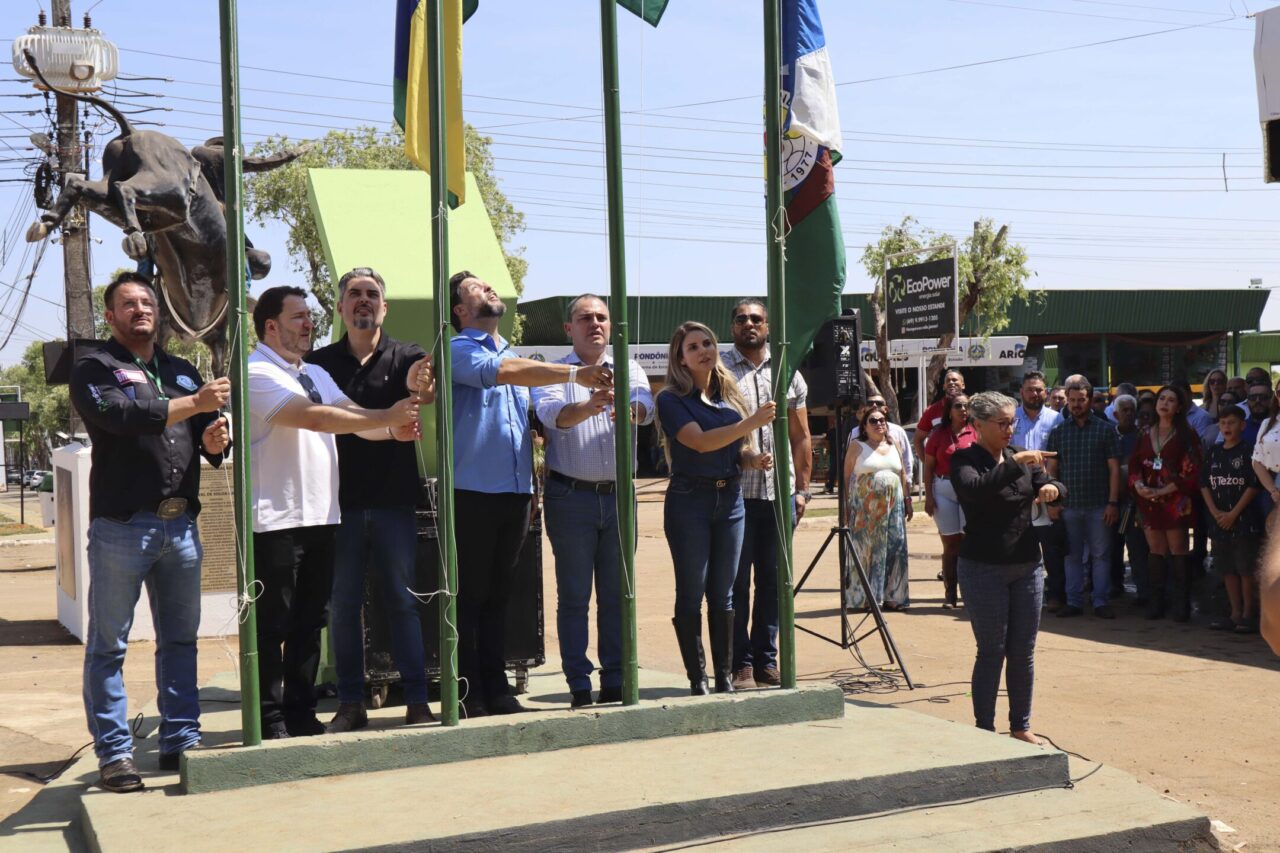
x,y
920,300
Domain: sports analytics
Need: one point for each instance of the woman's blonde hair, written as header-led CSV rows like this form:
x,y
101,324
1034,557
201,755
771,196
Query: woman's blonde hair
x,y
679,380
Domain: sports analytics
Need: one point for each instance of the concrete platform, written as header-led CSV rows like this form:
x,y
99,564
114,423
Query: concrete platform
x,y
665,710
614,796
1106,812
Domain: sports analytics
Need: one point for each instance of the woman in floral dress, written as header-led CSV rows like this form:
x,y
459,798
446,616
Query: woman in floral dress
x,y
878,508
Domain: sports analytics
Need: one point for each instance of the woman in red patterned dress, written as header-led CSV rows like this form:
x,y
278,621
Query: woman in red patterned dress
x,y
1163,473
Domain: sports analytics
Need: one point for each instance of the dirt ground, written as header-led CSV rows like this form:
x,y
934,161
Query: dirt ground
x,y
1188,711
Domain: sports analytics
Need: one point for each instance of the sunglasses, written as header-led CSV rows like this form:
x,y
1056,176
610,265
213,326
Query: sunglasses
x,y
308,385
1261,397
878,404
876,421
743,319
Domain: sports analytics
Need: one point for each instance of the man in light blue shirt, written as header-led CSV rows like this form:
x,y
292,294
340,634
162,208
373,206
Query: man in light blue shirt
x,y
580,504
493,480
1032,423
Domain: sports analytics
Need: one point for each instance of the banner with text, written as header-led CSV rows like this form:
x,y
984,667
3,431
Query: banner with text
x,y
922,300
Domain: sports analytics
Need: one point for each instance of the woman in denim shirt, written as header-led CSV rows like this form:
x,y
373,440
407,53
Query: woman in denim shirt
x,y
708,438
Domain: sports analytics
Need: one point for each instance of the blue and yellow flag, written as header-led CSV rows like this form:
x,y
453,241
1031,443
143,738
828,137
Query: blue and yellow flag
x,y
412,87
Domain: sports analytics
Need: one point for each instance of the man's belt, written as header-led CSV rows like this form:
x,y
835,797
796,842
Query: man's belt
x,y
170,508
605,487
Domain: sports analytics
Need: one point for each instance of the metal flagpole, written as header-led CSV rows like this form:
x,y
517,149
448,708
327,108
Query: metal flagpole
x,y
250,707
776,224
444,372
625,488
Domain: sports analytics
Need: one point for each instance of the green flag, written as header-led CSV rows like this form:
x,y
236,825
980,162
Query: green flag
x,y
650,10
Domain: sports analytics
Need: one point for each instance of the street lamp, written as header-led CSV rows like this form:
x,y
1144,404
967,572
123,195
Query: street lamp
x,y
74,60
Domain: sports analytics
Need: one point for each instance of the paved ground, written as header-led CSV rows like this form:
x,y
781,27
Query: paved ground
x,y
1187,711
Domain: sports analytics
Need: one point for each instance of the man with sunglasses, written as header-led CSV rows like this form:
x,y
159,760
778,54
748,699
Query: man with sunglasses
x,y
378,491
295,409
755,631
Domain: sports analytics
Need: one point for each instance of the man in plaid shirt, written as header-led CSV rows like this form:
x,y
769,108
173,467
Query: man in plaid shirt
x,y
1087,460
755,634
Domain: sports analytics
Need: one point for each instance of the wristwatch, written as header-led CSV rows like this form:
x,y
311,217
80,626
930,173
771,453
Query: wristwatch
x,y
808,496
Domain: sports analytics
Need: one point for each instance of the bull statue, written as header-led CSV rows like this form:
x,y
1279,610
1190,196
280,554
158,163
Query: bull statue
x,y
168,200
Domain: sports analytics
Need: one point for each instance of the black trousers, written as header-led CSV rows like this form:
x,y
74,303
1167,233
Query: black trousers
x,y
295,567
490,530
1053,547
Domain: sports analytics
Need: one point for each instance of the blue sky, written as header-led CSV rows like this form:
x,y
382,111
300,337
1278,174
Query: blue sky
x,y
1105,161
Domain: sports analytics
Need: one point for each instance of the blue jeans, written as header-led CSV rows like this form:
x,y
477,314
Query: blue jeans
x,y
755,623
583,529
387,540
1085,530
704,527
164,555
1004,604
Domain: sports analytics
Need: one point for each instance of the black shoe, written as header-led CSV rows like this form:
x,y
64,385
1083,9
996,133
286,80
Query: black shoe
x,y
350,717
275,731
120,777
609,695
170,761
1104,612
506,704
304,727
1069,610
472,708
581,699
418,713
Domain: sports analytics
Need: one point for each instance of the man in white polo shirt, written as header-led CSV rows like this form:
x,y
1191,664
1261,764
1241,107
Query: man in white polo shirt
x,y
294,410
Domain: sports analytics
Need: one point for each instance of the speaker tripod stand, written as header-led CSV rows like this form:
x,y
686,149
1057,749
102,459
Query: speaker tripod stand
x,y
849,636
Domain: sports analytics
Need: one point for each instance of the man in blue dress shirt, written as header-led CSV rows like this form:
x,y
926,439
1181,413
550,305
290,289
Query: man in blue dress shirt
x,y
1033,421
493,480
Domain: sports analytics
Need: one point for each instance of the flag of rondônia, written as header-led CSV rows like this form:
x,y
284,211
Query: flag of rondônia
x,y
815,265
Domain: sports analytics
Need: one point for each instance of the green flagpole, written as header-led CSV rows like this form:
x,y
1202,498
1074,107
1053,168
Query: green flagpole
x,y
624,490
775,224
444,371
250,707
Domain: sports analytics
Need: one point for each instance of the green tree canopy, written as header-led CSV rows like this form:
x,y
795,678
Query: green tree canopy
x,y
281,195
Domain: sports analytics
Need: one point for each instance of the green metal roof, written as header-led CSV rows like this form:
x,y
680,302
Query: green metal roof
x,y
1260,348
1060,312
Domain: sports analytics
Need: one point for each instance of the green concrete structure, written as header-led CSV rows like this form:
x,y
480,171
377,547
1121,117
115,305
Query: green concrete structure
x,y
662,713
381,219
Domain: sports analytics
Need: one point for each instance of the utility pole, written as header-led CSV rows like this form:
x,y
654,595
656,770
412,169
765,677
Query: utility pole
x,y
73,158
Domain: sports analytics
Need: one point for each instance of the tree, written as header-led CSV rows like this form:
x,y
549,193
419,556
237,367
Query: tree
x,y
993,273
281,195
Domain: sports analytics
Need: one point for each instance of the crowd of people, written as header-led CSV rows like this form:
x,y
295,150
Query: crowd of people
x,y
1011,485
335,486
1071,478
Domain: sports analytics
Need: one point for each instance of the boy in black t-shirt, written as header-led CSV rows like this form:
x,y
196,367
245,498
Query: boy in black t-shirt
x,y
1229,486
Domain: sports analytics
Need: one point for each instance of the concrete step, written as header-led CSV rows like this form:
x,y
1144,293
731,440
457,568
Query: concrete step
x,y
665,710
613,796
1105,812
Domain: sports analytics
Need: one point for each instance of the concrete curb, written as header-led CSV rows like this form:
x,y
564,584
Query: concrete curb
x,y
20,540
223,769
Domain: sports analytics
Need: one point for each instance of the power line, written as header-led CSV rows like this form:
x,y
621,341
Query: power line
x,y
1089,14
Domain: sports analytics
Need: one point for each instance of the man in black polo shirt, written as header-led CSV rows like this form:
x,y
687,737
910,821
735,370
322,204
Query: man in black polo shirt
x,y
147,414
377,493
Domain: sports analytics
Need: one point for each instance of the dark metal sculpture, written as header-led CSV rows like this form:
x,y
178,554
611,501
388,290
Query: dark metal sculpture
x,y
168,201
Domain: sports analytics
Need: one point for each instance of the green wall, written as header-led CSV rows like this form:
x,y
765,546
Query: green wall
x,y
381,219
